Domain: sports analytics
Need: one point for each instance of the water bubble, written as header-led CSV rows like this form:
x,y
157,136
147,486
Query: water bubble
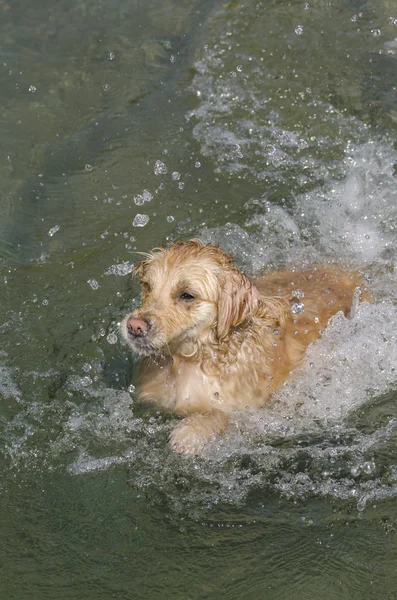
x,y
141,220
111,338
176,176
106,87
270,149
376,32
181,185
53,230
160,168
172,58
297,308
88,167
170,219
87,367
298,294
93,283
369,467
111,56
131,388
167,45
197,164
32,88
299,29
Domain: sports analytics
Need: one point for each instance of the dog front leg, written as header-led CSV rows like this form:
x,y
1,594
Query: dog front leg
x,y
192,433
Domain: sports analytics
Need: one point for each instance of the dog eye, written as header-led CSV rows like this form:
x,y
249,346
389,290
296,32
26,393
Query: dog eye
x,y
186,296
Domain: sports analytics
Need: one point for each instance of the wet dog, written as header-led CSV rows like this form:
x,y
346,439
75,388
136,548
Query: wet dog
x,y
215,342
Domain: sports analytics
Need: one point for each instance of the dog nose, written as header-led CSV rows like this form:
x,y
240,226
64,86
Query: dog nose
x,y
137,327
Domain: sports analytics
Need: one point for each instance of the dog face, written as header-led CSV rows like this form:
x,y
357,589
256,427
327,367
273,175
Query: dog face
x,y
190,292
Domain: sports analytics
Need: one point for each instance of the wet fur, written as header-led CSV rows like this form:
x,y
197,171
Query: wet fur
x,y
235,343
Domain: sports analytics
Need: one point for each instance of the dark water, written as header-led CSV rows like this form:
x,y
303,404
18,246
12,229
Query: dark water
x,y
269,128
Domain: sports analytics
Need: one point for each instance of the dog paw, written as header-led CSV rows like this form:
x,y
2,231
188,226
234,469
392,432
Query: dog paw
x,y
187,439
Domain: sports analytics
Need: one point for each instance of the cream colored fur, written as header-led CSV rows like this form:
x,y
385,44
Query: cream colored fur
x,y
217,342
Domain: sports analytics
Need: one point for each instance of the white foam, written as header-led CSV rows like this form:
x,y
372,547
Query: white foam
x,y
353,362
350,221
8,388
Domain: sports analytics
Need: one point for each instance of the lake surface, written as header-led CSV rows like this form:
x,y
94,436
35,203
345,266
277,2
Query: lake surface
x,y
269,128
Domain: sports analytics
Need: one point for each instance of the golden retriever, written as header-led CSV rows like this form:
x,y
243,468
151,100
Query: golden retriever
x,y
215,341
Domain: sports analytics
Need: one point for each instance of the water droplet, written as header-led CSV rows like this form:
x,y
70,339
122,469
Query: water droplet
x,y
170,219
32,88
197,164
93,283
87,367
139,200
302,144
106,87
299,29
167,45
376,32
141,220
160,168
147,196
131,388
297,308
181,185
53,230
111,56
112,338
298,294
176,176
88,167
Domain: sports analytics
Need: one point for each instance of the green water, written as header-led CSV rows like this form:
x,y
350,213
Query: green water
x,y
276,125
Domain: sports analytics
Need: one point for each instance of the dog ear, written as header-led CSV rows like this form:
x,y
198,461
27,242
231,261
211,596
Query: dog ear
x,y
274,311
140,269
238,300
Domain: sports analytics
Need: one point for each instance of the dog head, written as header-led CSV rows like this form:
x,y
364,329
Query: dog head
x,y
191,292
